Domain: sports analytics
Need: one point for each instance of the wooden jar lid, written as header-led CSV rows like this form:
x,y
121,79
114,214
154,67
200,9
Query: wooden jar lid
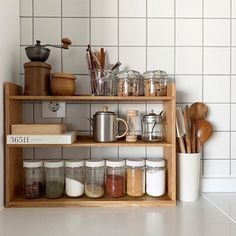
x,y
37,64
63,75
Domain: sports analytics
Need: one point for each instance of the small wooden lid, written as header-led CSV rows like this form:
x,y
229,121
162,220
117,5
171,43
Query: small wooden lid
x,y
37,64
63,75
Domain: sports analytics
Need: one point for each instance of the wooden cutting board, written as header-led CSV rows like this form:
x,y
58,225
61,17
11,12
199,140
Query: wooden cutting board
x,y
47,129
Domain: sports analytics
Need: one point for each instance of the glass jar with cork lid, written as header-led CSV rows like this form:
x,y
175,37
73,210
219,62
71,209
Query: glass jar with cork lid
x,y
135,174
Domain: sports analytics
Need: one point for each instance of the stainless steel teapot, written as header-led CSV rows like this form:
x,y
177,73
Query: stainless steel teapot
x,y
105,126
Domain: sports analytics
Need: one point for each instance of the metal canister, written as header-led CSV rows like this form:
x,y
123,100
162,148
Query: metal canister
x,y
152,127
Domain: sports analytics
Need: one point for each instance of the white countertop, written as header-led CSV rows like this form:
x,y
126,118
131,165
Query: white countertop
x,y
201,218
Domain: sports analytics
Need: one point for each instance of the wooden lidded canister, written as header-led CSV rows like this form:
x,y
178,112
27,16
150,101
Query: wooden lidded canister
x,y
37,78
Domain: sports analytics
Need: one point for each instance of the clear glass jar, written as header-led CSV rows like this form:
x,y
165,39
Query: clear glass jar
x,y
74,178
155,177
115,178
155,83
54,178
135,175
131,121
152,127
102,82
33,182
129,83
94,178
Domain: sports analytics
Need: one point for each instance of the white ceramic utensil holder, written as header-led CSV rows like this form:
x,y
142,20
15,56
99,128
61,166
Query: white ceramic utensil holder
x,y
188,176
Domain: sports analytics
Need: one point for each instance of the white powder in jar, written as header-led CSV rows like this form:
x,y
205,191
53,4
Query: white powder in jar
x,y
74,188
155,182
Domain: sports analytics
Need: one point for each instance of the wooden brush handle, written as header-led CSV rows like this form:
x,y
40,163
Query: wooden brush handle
x,y
181,145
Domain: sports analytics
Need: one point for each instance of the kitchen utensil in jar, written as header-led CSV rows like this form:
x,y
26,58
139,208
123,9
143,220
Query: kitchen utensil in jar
x,y
155,83
152,127
197,111
102,82
105,126
180,129
204,131
187,128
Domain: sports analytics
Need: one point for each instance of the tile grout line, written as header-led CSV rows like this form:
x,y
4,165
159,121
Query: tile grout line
x,y
62,120
90,40
118,30
210,201
146,59
203,43
174,40
230,82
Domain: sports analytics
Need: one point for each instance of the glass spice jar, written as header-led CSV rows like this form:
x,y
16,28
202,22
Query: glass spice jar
x,y
74,171
131,136
155,177
94,178
135,174
54,178
155,83
129,83
152,127
115,178
33,183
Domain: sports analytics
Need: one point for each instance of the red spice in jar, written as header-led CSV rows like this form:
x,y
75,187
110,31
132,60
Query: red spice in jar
x,y
115,186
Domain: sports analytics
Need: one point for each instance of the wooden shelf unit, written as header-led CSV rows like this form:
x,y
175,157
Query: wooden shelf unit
x,y
14,155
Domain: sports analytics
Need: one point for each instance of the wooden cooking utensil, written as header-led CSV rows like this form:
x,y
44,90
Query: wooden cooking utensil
x,y
197,111
180,129
103,57
193,138
187,128
204,131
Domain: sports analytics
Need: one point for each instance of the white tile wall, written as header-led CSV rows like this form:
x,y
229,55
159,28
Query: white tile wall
x,y
193,40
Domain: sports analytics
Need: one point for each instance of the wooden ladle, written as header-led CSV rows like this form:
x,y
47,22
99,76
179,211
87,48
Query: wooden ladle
x,y
204,130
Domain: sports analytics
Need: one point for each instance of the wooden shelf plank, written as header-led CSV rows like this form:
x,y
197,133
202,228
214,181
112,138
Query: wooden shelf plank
x,y
90,98
88,202
85,141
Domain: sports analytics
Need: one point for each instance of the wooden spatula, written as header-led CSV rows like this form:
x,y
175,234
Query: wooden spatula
x,y
180,129
187,128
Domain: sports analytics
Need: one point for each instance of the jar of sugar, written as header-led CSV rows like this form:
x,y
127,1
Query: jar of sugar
x,y
75,175
155,177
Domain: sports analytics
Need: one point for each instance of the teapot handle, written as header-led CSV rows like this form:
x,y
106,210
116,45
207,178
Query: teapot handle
x,y
126,128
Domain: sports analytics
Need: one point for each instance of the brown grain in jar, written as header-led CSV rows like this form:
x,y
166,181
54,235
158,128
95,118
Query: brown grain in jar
x,y
155,83
135,177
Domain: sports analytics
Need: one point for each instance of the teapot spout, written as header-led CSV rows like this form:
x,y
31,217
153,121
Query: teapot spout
x,y
90,121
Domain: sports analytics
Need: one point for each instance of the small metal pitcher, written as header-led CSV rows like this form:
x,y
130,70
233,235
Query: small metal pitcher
x,y
105,126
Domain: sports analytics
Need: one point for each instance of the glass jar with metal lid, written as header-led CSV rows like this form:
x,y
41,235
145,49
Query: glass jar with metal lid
x,y
54,178
94,178
155,83
33,184
135,174
129,83
74,170
115,178
152,127
155,177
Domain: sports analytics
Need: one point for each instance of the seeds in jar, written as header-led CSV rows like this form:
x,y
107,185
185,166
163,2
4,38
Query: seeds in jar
x,y
115,185
135,182
94,190
34,190
54,189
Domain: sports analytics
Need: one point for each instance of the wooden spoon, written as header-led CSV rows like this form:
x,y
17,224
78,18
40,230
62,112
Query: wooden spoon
x,y
197,111
204,130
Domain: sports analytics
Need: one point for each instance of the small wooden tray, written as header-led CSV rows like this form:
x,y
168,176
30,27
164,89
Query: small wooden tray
x,y
31,129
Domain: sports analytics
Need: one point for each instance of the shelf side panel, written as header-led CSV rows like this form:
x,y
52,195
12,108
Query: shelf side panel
x,y
170,152
12,156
